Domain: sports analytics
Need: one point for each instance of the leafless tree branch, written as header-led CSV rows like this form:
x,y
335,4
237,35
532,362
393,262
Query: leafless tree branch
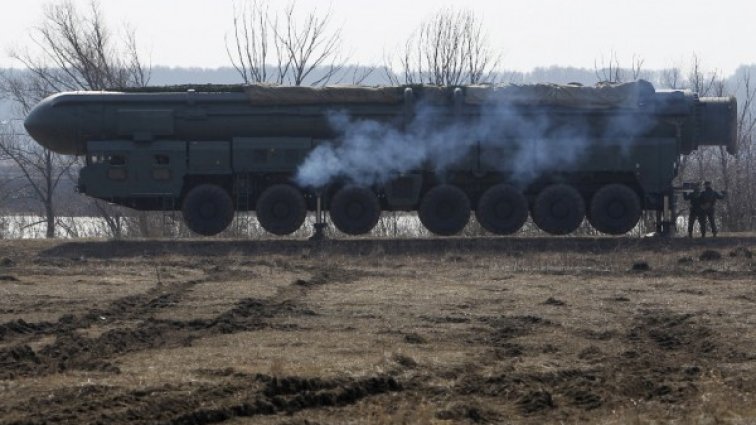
x,y
77,51
299,45
449,49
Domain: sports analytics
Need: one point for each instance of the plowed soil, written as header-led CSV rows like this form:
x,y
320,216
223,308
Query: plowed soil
x,y
435,331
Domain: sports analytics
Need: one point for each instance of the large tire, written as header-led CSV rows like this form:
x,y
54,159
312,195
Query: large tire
x,y
281,209
207,209
355,210
444,210
559,209
502,210
615,209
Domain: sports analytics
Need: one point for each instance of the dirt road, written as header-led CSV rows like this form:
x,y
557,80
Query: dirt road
x,y
370,332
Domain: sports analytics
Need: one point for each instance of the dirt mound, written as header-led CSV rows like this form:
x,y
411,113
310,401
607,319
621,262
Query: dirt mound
x,y
21,327
414,338
742,252
667,348
710,255
673,332
23,360
553,301
472,412
534,392
342,394
300,422
290,385
640,266
333,274
508,327
445,319
535,401
199,404
509,349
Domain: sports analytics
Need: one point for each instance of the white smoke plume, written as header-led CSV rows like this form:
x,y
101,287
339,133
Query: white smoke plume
x,y
511,140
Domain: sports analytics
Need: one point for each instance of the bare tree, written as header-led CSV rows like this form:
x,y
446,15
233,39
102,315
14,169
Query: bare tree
x,y
705,83
250,46
449,49
608,71
701,81
613,72
42,170
77,52
304,49
74,50
734,174
671,78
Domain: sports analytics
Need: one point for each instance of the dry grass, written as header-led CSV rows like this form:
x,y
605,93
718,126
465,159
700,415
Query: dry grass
x,y
520,331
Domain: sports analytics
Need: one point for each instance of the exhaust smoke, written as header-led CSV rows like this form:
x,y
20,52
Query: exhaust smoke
x,y
523,143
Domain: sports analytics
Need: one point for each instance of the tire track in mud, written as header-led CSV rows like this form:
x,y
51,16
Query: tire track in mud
x,y
663,356
319,276
236,395
130,307
71,350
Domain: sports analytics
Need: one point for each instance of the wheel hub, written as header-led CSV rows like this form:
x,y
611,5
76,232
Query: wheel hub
x,y
560,209
616,210
207,210
355,210
445,210
281,210
503,210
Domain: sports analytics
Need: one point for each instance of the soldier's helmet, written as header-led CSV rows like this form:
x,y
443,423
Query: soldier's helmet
x,y
707,184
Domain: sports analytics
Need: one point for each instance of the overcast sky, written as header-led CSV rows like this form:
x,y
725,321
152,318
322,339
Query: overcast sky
x,y
529,33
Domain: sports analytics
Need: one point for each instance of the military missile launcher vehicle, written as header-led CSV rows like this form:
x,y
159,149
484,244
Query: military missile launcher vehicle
x,y
557,153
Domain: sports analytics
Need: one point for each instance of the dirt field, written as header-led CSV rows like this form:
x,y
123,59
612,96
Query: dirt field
x,y
368,332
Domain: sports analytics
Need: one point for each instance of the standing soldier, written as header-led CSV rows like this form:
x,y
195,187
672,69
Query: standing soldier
x,y
694,198
708,200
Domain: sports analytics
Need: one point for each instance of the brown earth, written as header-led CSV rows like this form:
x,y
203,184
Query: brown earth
x,y
490,330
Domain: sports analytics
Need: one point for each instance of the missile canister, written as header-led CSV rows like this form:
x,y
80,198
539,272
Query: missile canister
x,y
65,122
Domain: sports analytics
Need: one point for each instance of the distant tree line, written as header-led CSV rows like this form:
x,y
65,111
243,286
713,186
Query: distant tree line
x,y
76,50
